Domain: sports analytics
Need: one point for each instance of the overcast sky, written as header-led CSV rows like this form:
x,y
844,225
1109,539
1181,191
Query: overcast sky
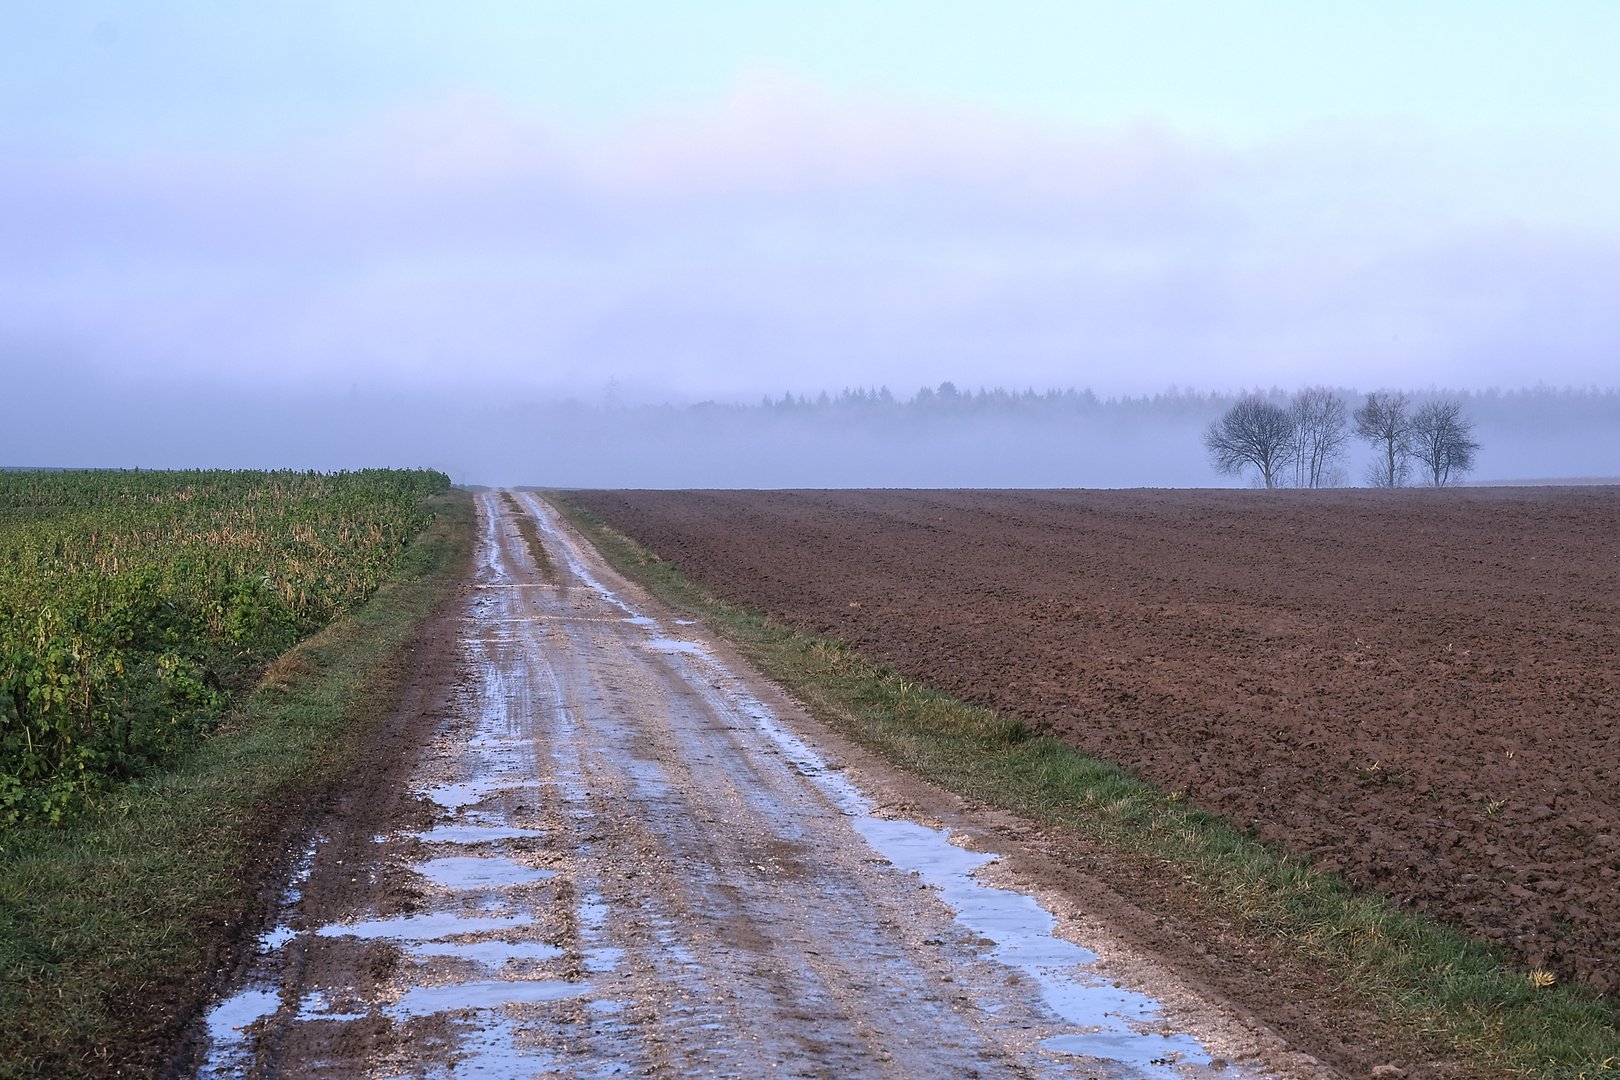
x,y
721,199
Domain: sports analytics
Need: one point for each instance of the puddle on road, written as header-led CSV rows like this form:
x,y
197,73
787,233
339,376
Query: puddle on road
x,y
1117,1022
275,938
231,1051
602,960
471,872
455,796
421,927
229,1046
234,1014
488,952
473,834
660,642
672,645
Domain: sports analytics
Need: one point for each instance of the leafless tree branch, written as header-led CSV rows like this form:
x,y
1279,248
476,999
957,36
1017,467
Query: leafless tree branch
x,y
1320,421
1254,432
1441,438
1383,423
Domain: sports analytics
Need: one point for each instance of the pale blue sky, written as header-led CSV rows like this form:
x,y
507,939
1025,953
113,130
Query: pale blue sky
x,y
717,199
208,69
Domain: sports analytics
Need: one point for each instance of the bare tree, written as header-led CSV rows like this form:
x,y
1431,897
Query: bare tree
x,y
1320,420
1441,438
1253,432
1383,422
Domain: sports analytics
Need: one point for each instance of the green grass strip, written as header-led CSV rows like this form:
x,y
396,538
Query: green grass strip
x,y
105,920
1456,995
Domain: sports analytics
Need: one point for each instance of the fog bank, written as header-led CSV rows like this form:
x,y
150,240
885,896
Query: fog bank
x,y
857,439
789,238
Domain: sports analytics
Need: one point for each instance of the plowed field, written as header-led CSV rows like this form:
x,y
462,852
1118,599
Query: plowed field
x,y
1416,688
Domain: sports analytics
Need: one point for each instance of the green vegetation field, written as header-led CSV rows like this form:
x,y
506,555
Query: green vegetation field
x,y
135,605
153,758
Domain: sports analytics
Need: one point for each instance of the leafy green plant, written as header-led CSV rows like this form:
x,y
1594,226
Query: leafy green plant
x,y
135,605
114,922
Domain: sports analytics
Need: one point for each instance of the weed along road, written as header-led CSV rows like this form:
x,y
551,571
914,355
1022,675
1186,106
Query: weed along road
x,y
623,854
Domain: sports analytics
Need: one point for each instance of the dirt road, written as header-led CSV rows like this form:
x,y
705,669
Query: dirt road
x,y
623,854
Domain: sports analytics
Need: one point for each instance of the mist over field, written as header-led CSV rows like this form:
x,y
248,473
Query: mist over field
x,y
959,438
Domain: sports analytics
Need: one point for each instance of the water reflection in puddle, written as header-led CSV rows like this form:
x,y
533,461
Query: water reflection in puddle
x,y
664,644
473,834
273,939
455,796
488,952
420,927
603,959
471,872
1116,1022
236,1013
229,1046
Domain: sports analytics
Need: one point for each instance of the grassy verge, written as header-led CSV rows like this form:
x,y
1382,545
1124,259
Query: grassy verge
x,y
106,924
1452,993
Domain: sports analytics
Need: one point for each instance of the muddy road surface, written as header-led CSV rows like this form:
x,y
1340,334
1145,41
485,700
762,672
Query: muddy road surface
x,y
622,854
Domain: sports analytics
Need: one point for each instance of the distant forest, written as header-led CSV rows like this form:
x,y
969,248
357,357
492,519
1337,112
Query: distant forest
x,y
1533,406
949,436
940,436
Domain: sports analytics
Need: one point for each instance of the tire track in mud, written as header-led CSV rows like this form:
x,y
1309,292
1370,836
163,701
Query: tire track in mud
x,y
619,860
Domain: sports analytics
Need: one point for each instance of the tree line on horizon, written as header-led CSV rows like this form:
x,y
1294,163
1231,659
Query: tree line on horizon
x,y
1304,443
1428,436
1553,404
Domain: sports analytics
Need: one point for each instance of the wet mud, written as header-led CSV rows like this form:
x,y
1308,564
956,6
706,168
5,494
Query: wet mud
x,y
1418,689
620,853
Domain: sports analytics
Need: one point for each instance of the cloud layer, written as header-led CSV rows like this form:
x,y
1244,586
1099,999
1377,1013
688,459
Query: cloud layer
x,y
791,240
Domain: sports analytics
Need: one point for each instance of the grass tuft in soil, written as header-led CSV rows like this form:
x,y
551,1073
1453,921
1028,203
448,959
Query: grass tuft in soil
x,y
112,925
1458,996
